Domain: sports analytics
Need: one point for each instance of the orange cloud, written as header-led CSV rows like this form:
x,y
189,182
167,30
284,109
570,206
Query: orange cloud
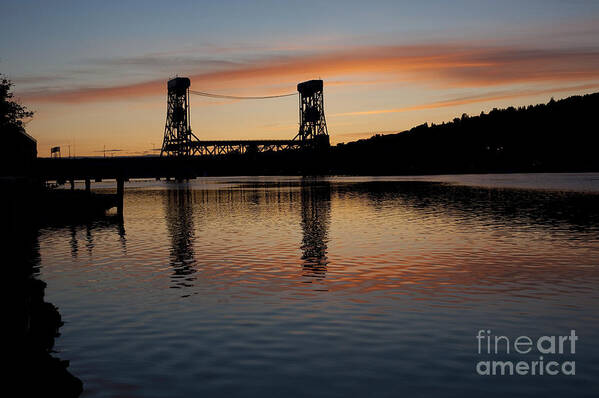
x,y
469,100
441,65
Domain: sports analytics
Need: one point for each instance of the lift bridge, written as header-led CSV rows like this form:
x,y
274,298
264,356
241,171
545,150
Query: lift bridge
x,y
180,141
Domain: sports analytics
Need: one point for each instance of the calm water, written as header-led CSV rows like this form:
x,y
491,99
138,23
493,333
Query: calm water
x,y
330,287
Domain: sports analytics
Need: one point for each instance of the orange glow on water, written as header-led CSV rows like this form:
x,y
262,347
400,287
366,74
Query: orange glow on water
x,y
347,241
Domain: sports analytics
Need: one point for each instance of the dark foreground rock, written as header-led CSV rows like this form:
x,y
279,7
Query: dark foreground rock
x,y
32,368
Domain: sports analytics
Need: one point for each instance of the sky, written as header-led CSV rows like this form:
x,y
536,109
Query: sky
x,y
95,73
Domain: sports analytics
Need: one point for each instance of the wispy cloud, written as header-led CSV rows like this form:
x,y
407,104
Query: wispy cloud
x,y
471,99
162,61
434,65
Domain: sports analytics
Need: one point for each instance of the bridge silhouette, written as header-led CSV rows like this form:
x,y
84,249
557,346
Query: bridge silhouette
x,y
180,141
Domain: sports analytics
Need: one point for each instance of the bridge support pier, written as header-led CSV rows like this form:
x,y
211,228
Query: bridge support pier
x,y
88,185
72,182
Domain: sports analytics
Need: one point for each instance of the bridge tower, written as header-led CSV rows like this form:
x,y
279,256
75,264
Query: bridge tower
x,y
177,131
313,126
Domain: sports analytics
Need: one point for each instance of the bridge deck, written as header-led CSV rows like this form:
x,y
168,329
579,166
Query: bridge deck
x,y
221,147
245,142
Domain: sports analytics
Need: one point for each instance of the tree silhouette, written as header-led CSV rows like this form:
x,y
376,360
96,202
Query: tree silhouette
x,y
560,135
20,148
11,112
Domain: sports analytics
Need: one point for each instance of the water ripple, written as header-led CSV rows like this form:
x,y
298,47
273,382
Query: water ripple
x,y
323,287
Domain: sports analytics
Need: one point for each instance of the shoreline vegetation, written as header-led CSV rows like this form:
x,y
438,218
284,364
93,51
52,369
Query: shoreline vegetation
x,y
558,136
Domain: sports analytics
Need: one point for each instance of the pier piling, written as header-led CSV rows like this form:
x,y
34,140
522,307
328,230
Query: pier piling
x,y
120,190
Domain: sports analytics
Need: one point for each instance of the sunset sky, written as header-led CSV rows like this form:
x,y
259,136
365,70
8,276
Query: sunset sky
x,y
95,73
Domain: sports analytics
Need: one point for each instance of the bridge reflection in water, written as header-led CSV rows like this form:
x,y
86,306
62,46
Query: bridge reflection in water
x,y
183,202
316,209
97,226
178,208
